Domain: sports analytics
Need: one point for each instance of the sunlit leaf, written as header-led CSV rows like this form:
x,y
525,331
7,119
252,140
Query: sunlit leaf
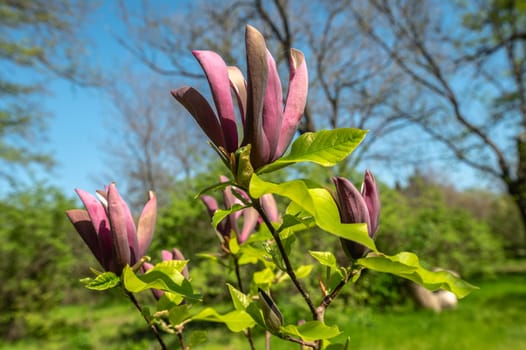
x,y
236,321
239,299
312,330
159,277
327,259
325,147
104,281
220,214
316,201
407,265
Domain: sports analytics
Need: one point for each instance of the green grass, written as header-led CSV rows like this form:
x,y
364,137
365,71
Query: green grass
x,y
492,318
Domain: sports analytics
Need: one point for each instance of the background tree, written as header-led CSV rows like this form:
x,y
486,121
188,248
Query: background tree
x,y
467,63
152,144
38,40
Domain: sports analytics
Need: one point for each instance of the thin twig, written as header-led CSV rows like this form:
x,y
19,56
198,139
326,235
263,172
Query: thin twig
x,y
288,265
248,333
181,339
153,327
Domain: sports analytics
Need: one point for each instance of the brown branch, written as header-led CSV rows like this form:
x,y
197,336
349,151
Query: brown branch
x,y
283,253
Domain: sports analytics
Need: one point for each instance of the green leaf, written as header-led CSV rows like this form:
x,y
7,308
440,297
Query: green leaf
x,y
325,147
179,314
220,214
324,258
236,321
263,278
104,281
162,277
407,265
316,201
303,271
311,330
239,299
233,245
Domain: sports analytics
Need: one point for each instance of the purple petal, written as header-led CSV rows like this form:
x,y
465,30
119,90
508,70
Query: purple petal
x,y
250,220
117,211
272,109
217,75
239,85
257,78
372,200
230,200
82,223
146,225
270,207
99,220
203,114
296,100
210,203
177,255
351,204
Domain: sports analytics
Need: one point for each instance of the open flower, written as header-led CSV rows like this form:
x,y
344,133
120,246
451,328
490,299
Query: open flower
x,y
108,228
358,207
267,123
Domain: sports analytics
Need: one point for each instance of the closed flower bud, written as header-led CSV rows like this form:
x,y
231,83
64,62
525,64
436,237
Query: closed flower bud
x,y
272,315
358,207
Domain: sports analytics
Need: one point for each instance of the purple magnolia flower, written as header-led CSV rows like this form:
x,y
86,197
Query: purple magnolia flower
x,y
356,207
174,254
267,123
250,215
108,228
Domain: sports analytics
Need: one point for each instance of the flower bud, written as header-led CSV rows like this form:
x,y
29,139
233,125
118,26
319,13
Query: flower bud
x,y
358,207
271,314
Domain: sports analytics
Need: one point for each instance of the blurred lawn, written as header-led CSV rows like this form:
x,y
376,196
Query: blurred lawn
x,y
492,318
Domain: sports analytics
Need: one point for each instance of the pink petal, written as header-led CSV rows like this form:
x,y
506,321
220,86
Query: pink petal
x,y
239,85
166,255
296,100
250,220
117,210
210,203
270,207
217,75
272,109
230,200
177,255
146,225
203,114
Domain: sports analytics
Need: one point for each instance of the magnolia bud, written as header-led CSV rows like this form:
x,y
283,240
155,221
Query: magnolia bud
x,y
272,315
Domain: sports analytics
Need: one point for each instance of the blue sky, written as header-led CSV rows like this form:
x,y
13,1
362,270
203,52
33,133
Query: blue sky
x,y
77,128
79,118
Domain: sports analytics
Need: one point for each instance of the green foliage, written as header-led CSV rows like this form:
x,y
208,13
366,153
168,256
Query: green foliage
x,y
165,276
419,219
37,249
